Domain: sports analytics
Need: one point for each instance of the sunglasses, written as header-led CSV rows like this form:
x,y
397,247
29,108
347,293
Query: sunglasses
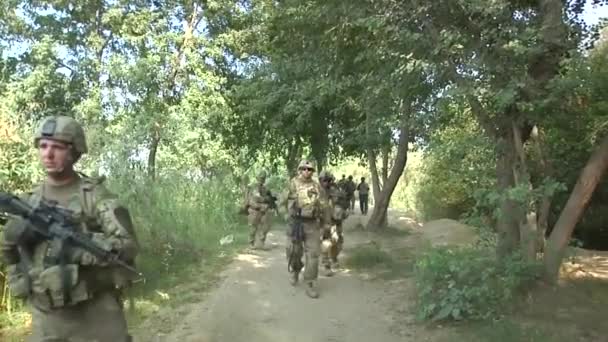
x,y
307,169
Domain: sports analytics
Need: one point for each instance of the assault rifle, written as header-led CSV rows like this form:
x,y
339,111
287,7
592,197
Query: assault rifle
x,y
272,202
294,262
52,223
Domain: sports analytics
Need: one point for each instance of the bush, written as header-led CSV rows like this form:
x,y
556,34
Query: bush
x,y
457,160
369,256
468,283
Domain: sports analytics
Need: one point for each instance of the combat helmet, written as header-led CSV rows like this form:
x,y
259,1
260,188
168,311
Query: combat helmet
x,y
305,163
64,129
262,175
325,175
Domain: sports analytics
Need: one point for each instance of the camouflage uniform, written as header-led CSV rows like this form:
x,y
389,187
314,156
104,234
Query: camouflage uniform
x,y
93,299
342,183
363,189
304,211
349,188
335,204
258,205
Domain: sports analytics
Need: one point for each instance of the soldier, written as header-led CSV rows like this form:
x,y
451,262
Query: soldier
x,y
70,301
259,202
349,188
342,182
363,189
340,214
335,205
303,235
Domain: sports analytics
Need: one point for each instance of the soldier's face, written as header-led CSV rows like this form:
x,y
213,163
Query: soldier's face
x,y
55,156
306,172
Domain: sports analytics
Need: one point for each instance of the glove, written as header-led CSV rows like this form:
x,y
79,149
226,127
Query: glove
x,y
19,232
86,258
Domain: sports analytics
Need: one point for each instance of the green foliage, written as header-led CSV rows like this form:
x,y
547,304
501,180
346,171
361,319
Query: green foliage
x,y
508,330
468,283
578,98
407,193
369,256
458,162
203,94
382,262
18,167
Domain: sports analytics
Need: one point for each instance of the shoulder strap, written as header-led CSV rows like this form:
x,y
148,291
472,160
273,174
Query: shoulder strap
x,y
34,196
88,196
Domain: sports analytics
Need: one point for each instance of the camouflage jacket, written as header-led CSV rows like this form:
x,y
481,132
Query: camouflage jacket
x,y
96,211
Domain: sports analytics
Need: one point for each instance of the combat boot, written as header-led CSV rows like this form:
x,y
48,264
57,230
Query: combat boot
x,y
293,278
311,289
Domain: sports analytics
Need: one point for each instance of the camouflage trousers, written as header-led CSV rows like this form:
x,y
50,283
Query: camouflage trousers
x,y
351,202
100,319
309,248
259,225
335,240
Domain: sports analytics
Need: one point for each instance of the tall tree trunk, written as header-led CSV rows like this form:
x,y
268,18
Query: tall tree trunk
x,y
294,153
507,223
528,228
170,92
154,143
378,218
544,207
385,158
376,187
572,212
319,137
553,38
371,159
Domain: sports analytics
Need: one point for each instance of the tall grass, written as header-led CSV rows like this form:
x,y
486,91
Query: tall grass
x,y
181,217
179,224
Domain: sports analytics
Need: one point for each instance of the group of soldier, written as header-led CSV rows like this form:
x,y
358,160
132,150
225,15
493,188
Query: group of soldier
x,y
315,212
72,292
349,188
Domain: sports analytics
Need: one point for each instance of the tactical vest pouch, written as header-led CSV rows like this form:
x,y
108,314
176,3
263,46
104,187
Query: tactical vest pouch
x,y
308,213
263,207
307,202
51,283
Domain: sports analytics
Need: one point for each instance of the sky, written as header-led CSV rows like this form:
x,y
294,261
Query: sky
x,y
592,15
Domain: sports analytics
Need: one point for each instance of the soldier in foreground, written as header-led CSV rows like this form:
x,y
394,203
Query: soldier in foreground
x,y
71,291
259,202
305,221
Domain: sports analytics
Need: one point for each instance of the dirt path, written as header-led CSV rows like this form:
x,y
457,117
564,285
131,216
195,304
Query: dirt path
x,y
255,303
